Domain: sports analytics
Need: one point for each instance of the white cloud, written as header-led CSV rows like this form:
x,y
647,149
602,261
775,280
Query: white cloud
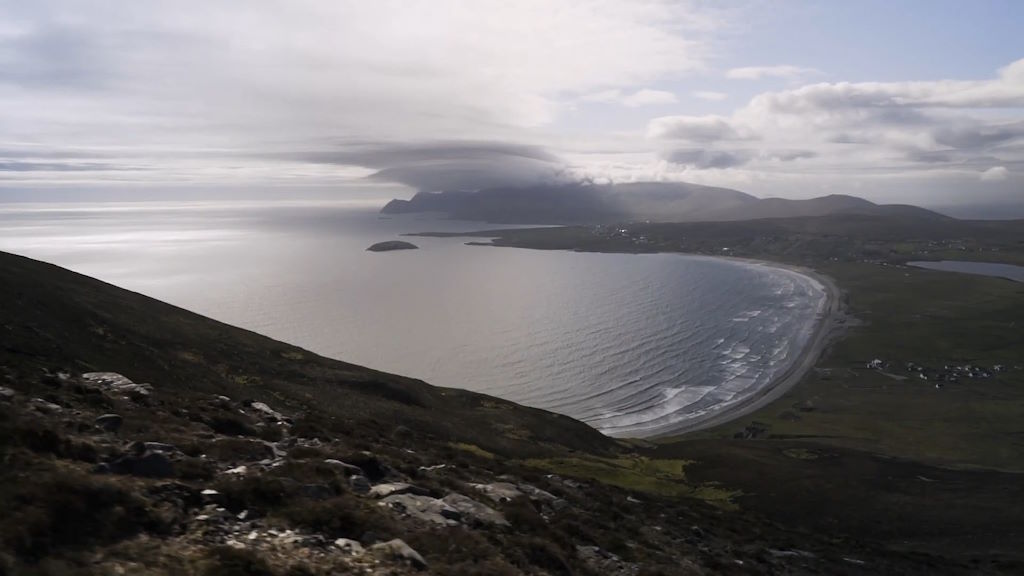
x,y
994,174
642,97
709,95
649,98
149,77
786,71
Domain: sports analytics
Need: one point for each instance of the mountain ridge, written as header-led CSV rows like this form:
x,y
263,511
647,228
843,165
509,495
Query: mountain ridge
x,y
653,201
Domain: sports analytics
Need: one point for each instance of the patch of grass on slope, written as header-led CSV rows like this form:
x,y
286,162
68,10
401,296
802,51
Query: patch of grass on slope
x,y
645,475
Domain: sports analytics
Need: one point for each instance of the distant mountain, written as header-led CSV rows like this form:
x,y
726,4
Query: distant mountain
x,y
575,203
654,201
834,204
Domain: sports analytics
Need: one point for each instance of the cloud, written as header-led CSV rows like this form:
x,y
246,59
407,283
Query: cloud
x,y
785,71
709,128
941,129
994,174
224,78
445,165
18,166
704,158
642,97
709,95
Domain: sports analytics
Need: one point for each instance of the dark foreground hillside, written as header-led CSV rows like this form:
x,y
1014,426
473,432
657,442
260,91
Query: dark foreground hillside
x,y
139,438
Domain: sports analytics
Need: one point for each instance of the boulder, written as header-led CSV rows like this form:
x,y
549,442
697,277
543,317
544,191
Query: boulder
x,y
499,491
350,546
423,508
387,489
537,494
346,468
117,383
46,407
398,550
110,422
474,511
359,484
266,411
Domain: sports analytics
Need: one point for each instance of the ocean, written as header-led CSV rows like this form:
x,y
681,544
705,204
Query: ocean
x,y
631,344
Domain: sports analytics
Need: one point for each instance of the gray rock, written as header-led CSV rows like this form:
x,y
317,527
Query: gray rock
x,y
110,422
499,491
387,489
117,383
266,411
359,484
159,447
6,393
474,511
537,494
46,407
398,550
347,469
351,546
423,508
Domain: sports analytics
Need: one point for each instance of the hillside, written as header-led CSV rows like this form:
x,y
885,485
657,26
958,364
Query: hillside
x,y
656,202
140,438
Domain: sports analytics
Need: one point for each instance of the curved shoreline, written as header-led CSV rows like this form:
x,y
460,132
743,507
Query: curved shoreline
x,y
828,326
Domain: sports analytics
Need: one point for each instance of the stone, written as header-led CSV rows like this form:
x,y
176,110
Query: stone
x,y
398,550
499,491
350,546
46,407
7,393
110,422
240,470
387,489
117,383
348,469
474,511
360,484
159,447
266,411
423,508
537,494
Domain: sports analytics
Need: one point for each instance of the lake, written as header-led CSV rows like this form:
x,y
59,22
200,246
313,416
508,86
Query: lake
x,y
632,344
1008,271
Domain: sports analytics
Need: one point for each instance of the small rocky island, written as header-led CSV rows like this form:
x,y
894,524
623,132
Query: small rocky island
x,y
392,245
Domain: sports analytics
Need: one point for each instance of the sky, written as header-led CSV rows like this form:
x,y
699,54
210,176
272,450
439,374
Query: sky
x,y
914,101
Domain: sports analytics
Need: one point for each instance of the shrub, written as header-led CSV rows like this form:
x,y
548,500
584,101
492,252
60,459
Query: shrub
x,y
70,509
340,517
227,561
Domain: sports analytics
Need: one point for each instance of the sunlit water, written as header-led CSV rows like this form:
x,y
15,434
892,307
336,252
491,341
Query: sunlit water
x,y
632,344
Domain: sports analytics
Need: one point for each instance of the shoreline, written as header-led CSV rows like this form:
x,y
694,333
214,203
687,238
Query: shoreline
x,y
828,327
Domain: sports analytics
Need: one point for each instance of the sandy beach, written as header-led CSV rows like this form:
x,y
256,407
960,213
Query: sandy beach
x,y
829,325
